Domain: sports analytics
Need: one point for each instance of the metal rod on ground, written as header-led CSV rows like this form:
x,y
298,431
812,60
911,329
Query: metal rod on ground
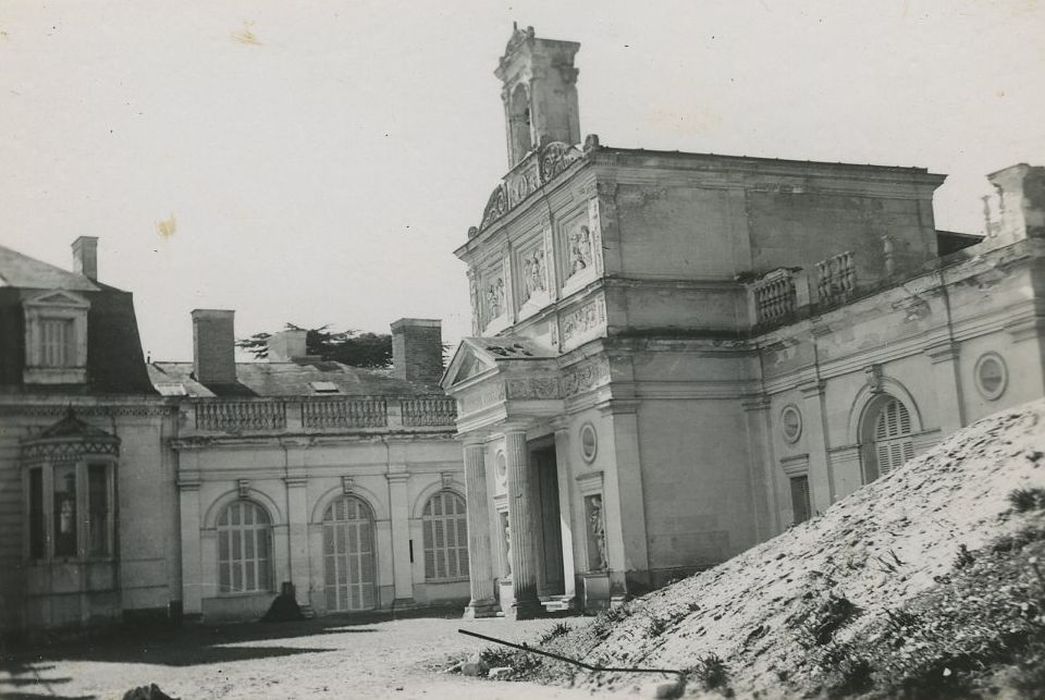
x,y
575,662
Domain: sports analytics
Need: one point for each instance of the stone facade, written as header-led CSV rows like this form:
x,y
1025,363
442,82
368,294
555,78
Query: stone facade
x,y
355,475
722,346
81,451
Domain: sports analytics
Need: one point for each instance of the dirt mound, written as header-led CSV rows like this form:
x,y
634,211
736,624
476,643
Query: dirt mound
x,y
926,576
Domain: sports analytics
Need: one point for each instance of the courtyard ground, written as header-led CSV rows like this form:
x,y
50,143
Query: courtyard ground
x,y
338,657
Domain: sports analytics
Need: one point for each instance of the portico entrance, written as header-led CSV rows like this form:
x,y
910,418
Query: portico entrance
x,y
551,579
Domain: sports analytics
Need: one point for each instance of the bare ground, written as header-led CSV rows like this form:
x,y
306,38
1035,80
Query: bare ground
x,y
337,657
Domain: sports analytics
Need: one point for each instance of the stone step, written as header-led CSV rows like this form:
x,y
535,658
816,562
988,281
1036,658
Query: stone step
x,y
307,612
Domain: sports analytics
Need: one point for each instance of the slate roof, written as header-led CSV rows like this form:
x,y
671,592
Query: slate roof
x,y
295,378
20,270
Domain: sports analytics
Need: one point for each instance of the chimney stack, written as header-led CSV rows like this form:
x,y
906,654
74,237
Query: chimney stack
x,y
213,346
1018,209
417,350
85,257
287,346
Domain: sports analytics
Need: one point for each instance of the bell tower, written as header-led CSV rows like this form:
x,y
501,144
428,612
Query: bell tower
x,y
540,92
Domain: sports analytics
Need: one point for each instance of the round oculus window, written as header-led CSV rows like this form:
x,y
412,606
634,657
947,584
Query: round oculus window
x,y
501,463
791,423
589,442
991,374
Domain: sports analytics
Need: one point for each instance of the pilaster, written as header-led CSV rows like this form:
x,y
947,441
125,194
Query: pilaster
x,y
399,511
297,518
944,359
821,481
761,470
191,573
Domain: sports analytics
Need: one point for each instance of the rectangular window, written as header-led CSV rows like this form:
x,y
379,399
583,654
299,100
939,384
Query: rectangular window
x,y
36,513
800,498
58,338
99,519
65,510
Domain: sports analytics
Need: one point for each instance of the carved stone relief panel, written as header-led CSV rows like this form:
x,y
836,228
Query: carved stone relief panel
x,y
585,375
531,274
595,226
533,388
583,321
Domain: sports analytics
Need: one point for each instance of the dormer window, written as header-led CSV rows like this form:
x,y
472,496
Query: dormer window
x,y
320,387
56,338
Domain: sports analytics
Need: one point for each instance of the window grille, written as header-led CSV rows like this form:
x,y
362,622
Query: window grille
x,y
893,444
445,526
244,549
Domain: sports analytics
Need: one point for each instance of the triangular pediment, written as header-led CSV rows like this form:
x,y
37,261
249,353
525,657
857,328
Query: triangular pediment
x,y
469,360
58,298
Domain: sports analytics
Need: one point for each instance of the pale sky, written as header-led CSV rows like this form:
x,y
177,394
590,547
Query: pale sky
x,y
317,162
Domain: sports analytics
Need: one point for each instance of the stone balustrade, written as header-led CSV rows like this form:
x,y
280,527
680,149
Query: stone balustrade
x,y
775,297
836,279
428,411
320,413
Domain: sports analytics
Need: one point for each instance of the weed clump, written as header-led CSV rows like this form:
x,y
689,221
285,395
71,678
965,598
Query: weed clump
x,y
1024,500
712,673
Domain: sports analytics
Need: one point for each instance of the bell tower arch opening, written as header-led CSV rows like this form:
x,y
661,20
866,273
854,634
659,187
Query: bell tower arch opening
x,y
520,138
539,92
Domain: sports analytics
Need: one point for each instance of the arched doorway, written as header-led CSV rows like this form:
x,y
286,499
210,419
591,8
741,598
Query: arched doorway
x,y
348,555
886,435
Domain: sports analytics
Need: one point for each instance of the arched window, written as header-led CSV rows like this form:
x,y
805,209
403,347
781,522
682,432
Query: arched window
x,y
446,537
348,555
888,434
244,549
519,123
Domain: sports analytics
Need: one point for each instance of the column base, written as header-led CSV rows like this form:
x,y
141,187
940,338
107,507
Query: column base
x,y
524,610
403,604
481,608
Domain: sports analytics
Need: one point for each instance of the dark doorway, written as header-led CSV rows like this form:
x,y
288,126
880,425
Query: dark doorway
x,y
551,581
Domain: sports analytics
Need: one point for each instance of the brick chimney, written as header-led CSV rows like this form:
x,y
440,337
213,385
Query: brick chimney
x,y
85,256
213,346
287,346
417,350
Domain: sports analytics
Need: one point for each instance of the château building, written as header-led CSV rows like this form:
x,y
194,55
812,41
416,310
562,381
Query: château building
x,y
678,355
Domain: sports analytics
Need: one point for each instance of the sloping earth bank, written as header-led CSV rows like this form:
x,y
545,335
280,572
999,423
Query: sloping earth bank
x,y
926,583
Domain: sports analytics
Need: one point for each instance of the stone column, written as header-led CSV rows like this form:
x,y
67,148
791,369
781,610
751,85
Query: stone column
x,y
399,512
944,359
524,528
562,459
191,574
480,571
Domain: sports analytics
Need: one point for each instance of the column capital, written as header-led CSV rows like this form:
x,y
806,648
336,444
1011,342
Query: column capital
x,y
943,352
189,483
296,481
811,389
513,427
755,402
398,477
618,406
472,439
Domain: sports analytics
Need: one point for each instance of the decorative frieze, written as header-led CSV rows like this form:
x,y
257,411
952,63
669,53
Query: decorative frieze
x,y
481,398
533,388
585,375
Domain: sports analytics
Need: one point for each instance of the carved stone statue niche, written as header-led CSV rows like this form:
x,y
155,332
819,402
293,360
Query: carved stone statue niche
x,y
596,533
534,273
580,249
495,298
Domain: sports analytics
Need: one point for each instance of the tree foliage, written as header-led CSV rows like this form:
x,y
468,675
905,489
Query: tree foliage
x,y
349,347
